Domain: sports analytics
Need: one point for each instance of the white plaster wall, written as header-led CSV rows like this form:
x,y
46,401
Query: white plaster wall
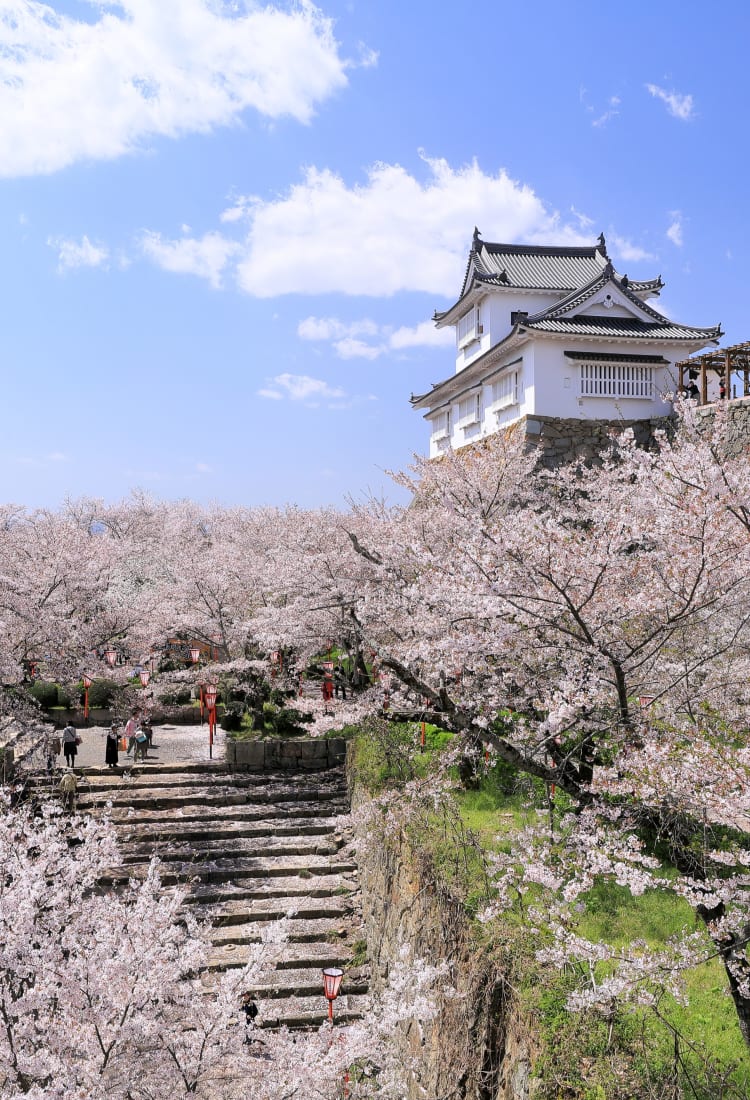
x,y
557,389
496,309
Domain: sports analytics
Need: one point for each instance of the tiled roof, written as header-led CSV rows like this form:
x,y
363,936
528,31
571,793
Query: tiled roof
x,y
620,328
578,298
614,357
534,267
556,269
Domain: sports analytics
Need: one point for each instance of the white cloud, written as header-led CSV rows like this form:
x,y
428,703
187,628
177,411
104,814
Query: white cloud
x,y
674,232
349,348
679,106
624,249
422,335
392,233
73,90
72,254
206,256
330,328
344,336
300,387
611,112
42,462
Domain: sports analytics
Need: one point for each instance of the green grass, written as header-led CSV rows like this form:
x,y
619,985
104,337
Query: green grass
x,y
711,1044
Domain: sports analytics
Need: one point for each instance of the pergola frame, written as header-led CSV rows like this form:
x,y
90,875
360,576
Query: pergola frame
x,y
724,362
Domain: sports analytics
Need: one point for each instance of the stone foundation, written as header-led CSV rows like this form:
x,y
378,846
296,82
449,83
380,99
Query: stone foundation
x,y
561,440
737,431
477,1047
285,755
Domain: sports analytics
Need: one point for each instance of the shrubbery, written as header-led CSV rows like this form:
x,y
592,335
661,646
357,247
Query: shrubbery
x,y
45,693
101,693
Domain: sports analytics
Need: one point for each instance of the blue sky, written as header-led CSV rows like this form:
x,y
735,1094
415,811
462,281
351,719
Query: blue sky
x,y
225,226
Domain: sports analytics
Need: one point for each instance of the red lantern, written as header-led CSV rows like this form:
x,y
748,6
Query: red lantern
x,y
210,697
195,654
331,984
145,677
110,657
87,682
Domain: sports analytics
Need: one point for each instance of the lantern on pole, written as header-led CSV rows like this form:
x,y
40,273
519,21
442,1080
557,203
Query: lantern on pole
x,y
145,676
210,694
386,681
331,985
111,657
195,654
87,682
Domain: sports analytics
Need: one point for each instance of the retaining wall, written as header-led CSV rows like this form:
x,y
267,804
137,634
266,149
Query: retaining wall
x,y
477,1047
293,754
736,435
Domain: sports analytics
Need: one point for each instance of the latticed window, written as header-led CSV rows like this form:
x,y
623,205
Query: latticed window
x,y
441,425
505,390
469,411
617,380
468,327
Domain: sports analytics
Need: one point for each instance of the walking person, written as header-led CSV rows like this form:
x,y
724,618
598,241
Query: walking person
x,y
140,749
70,743
250,1009
339,682
112,748
130,733
67,787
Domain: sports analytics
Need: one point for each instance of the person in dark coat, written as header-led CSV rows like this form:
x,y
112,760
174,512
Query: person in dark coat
x,y
111,754
70,741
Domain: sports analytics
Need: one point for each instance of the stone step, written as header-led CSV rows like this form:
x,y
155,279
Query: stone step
x,y
248,812
306,982
277,890
330,907
298,1013
301,960
230,870
171,829
161,799
152,770
146,775
229,848
300,929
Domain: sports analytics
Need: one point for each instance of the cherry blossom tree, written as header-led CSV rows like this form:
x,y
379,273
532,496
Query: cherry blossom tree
x,y
101,994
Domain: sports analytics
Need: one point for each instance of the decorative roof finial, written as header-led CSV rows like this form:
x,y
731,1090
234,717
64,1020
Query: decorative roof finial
x,y
602,246
475,240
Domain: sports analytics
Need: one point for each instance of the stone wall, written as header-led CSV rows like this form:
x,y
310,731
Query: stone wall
x,y
736,440
256,755
477,1048
561,440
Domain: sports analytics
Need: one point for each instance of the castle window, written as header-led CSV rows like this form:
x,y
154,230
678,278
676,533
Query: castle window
x,y
441,425
468,327
617,380
469,411
505,391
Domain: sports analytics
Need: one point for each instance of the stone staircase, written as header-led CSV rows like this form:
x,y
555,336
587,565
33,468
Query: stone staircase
x,y
251,848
